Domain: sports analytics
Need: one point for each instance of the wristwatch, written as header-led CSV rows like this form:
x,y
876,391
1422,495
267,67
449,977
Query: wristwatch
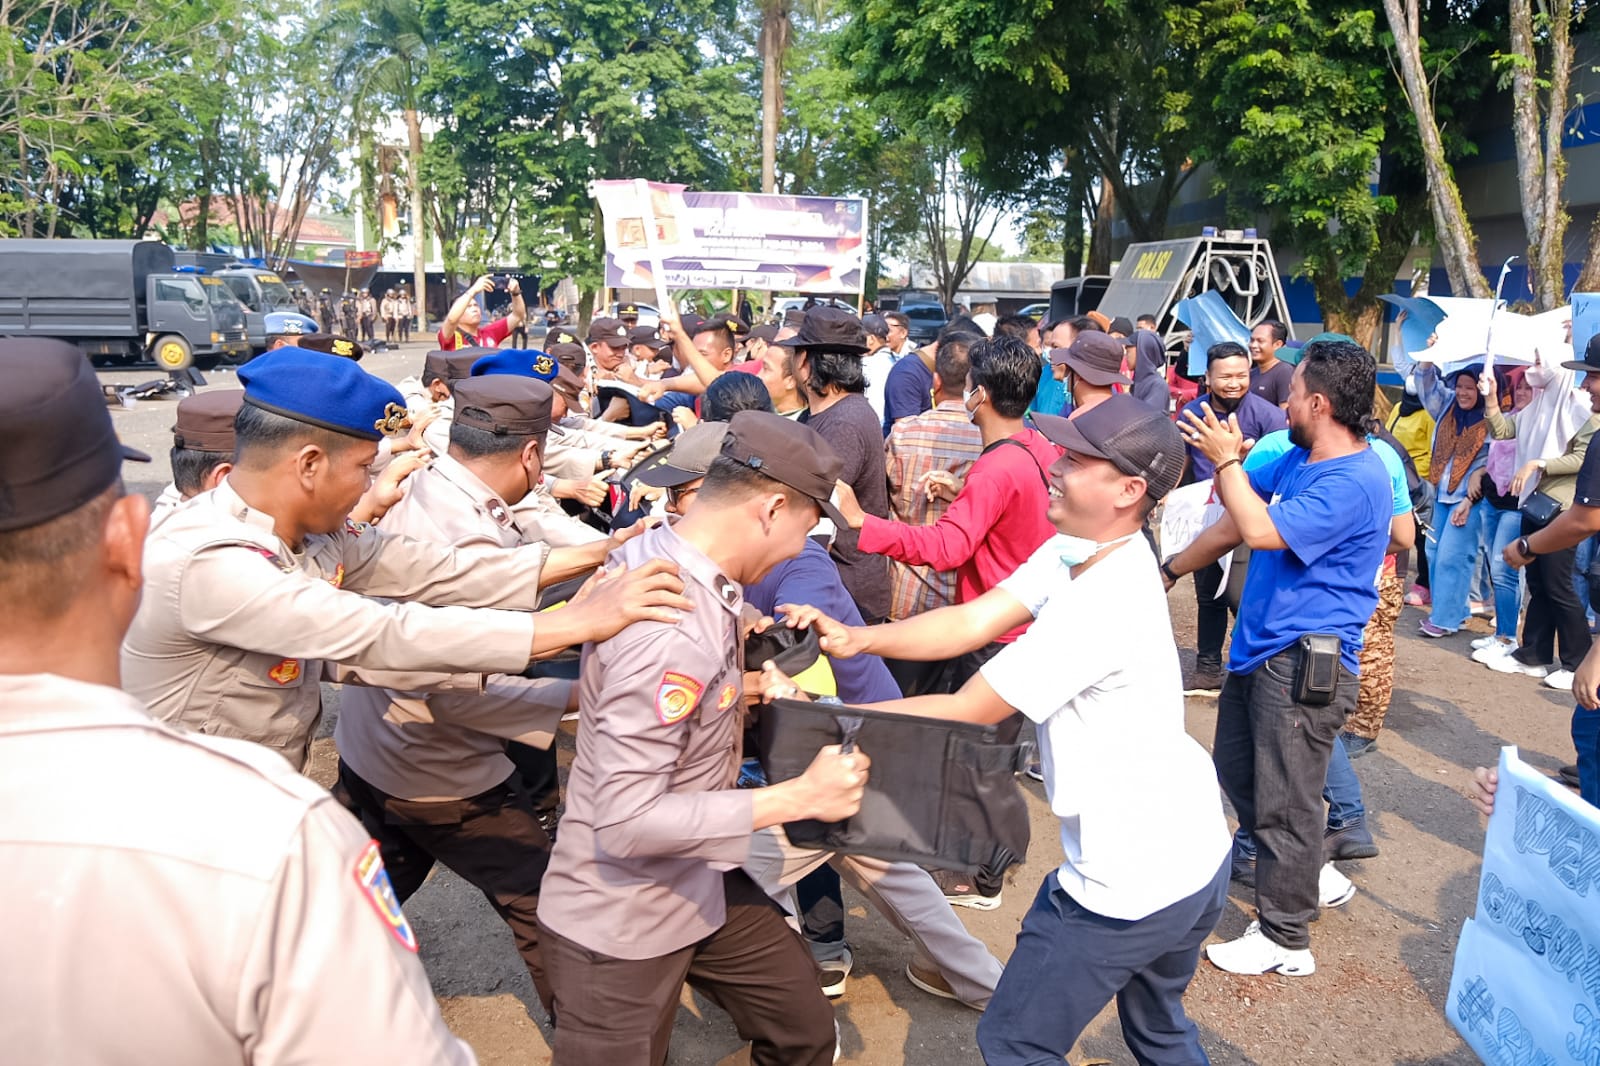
x,y
605,460
1524,550
1166,568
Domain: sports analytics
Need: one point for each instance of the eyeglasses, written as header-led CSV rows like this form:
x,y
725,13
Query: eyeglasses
x,y
676,496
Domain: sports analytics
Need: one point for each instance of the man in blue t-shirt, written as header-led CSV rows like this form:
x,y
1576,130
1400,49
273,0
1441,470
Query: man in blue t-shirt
x,y
1317,521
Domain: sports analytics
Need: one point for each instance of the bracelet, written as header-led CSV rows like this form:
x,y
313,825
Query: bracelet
x,y
1524,549
1166,568
1220,467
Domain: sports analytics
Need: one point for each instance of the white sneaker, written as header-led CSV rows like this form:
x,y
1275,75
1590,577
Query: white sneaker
x,y
1510,664
1334,889
1493,650
1255,953
1560,680
1491,641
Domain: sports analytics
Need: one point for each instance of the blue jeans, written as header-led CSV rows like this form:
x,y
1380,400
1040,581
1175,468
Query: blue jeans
x,y
1580,575
1070,962
1451,564
1586,738
1501,528
1341,790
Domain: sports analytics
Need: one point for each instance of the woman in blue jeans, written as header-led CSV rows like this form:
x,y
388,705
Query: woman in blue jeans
x,y
1501,519
1460,448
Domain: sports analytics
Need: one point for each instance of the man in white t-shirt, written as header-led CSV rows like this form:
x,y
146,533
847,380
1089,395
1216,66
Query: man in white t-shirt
x,y
1146,845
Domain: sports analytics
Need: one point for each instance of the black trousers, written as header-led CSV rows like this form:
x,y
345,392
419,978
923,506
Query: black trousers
x,y
492,840
619,1012
1211,617
1555,616
1271,755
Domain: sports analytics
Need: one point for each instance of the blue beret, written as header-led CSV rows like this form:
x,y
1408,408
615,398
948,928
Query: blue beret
x,y
289,322
526,362
320,390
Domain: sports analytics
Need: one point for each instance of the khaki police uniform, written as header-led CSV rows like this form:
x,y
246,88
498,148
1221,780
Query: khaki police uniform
x,y
541,519
233,624
644,889
223,910
428,774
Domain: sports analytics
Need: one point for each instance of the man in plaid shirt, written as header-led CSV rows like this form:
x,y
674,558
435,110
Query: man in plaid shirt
x,y
927,458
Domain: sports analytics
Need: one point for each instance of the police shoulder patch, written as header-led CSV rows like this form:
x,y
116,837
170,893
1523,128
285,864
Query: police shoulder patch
x,y
286,672
374,882
729,694
677,697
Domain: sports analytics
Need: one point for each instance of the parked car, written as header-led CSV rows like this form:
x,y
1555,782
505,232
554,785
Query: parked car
x,y
925,315
648,315
796,303
1038,312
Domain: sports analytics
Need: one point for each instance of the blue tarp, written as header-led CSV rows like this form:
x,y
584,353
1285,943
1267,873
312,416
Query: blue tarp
x,y
1212,322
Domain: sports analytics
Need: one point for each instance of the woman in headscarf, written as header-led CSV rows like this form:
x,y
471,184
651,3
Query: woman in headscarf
x,y
1544,482
1491,493
1460,448
1150,370
1412,425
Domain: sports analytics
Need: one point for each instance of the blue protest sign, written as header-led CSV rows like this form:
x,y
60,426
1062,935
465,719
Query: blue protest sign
x,y
1212,322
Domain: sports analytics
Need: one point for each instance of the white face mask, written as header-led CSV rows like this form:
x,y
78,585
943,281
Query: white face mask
x,y
1075,550
966,395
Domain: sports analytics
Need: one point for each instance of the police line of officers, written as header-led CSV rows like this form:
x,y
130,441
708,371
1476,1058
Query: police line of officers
x,y
185,895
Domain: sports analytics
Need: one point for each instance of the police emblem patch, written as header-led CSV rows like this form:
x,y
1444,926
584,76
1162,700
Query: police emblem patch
x,y
285,673
677,697
374,881
729,694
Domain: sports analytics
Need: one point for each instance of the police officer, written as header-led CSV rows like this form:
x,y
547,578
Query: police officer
x,y
429,393
429,774
202,447
644,889
254,583
266,931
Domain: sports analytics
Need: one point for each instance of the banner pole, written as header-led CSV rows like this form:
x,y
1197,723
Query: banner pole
x,y
648,214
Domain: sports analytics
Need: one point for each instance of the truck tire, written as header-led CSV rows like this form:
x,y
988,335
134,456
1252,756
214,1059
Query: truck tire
x,y
171,352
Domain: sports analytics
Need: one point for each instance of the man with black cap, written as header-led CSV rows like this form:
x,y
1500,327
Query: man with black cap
x,y
1145,871
202,447
428,773
428,394
252,887
706,352
828,349
878,360
644,889
253,584
610,362
950,961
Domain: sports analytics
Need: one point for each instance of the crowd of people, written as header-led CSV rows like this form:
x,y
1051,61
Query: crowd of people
x,y
594,530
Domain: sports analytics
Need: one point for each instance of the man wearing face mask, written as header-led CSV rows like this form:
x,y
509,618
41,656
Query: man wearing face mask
x,y
1144,874
1228,393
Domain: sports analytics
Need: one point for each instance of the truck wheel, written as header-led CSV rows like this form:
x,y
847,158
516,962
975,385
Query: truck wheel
x,y
171,352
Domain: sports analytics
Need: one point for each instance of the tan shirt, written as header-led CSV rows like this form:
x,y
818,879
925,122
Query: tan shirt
x,y
233,623
418,400
652,817
202,905
541,519
447,745
573,453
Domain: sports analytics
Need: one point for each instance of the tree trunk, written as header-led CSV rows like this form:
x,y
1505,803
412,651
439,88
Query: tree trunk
x,y
1458,247
1589,276
1355,316
419,244
1072,243
1541,165
774,42
1100,236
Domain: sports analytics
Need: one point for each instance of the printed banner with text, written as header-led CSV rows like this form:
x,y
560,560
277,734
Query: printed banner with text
x,y
1526,987
731,240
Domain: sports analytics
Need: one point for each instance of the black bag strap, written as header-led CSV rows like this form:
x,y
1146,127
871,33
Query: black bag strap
x,y
1043,480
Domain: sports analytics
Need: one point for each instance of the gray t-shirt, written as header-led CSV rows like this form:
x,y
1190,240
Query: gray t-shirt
x,y
852,429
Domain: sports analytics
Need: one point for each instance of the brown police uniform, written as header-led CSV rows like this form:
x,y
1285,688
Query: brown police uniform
x,y
644,891
256,926
541,519
221,909
233,622
428,775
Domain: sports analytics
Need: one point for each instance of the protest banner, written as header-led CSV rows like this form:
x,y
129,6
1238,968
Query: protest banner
x,y
1526,986
662,236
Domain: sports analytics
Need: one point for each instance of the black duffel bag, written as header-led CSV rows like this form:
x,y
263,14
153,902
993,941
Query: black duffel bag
x,y
941,794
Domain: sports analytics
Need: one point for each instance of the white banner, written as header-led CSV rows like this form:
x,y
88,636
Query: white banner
x,y
1526,986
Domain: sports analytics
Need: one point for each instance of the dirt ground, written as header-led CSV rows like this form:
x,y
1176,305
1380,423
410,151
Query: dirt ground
x,y
1383,960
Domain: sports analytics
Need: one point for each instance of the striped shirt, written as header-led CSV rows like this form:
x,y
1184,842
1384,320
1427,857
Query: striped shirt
x,y
941,439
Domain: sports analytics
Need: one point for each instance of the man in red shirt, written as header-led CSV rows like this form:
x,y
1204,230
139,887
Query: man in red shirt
x,y
997,515
463,325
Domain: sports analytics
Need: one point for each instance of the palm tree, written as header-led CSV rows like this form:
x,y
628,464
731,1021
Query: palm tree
x,y
386,49
777,30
